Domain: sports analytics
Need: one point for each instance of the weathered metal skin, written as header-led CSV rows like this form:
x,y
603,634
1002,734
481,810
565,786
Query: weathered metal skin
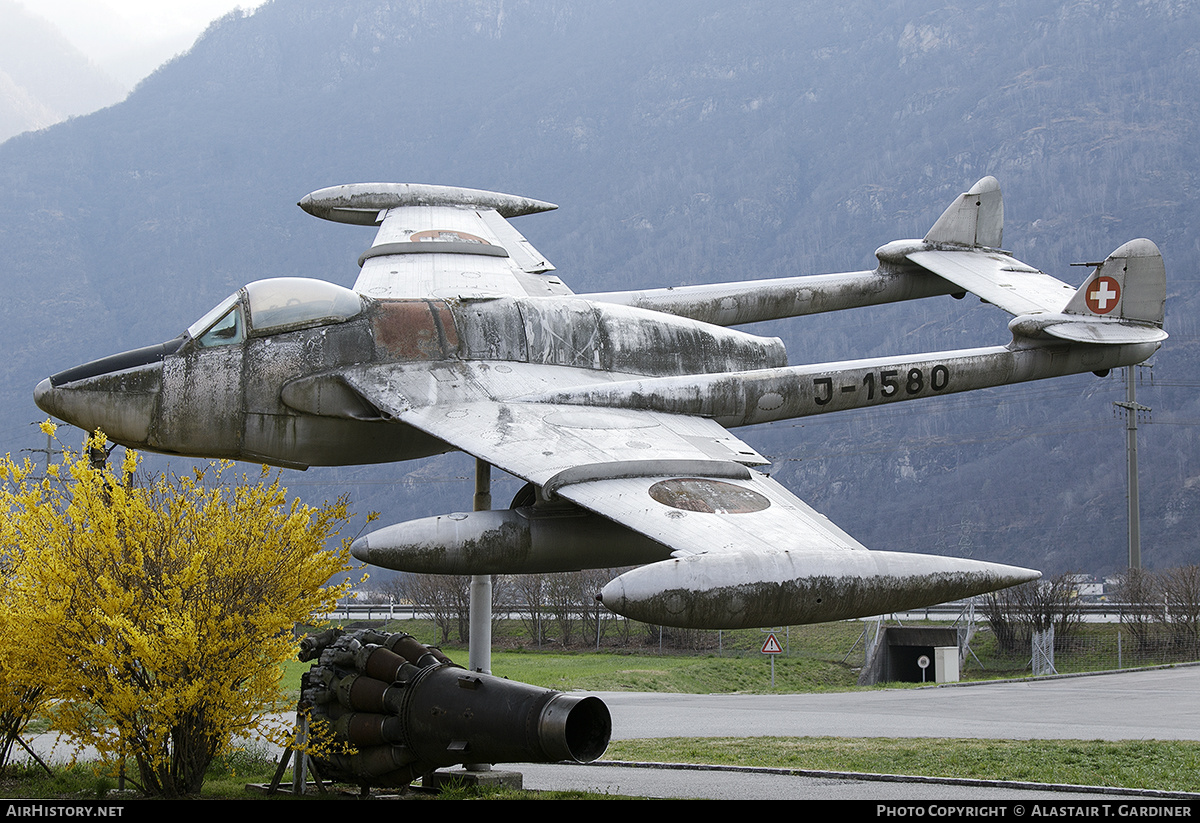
x,y
123,403
279,399
295,410
360,204
799,391
229,400
525,540
588,335
457,335
732,591
730,304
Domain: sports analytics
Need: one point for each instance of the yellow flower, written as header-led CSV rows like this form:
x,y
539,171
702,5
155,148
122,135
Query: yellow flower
x,y
172,602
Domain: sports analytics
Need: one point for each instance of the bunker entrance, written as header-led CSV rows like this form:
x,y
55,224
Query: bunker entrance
x,y
912,655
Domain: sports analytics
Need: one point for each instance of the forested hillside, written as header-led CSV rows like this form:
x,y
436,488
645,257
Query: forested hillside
x,y
685,142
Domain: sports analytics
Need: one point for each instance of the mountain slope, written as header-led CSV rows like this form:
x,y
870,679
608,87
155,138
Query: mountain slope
x,y
685,142
43,78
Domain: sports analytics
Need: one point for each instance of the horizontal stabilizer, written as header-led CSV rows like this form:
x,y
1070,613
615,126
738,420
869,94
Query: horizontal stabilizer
x,y
995,277
1122,302
963,248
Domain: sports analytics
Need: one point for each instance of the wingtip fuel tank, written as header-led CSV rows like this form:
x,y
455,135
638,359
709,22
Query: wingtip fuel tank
x,y
750,589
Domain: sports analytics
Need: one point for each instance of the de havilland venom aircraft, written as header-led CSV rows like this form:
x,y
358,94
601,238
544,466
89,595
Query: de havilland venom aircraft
x,y
613,407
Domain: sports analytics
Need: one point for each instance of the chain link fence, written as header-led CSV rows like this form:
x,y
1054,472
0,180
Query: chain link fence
x,y
1107,648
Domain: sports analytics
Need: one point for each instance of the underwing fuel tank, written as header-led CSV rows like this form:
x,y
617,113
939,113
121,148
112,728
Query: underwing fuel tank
x,y
524,540
752,589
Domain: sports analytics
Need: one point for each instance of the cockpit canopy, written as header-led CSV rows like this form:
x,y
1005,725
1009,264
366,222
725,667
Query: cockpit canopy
x,y
275,305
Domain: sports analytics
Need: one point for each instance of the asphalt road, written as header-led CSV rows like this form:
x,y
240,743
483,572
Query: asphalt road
x,y
1161,704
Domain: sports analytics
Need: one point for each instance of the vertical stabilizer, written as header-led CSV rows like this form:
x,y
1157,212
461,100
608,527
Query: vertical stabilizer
x,y
976,218
1131,284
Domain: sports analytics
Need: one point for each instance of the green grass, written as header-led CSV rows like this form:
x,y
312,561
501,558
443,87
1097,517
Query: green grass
x,y
824,657
82,781
704,674
818,661
1161,765
682,675
815,662
1134,764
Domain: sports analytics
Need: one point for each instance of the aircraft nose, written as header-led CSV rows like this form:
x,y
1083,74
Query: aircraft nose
x,y
122,404
118,394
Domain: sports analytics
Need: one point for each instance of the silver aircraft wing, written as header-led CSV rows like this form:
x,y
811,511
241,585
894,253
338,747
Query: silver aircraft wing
x,y
744,550
440,241
682,481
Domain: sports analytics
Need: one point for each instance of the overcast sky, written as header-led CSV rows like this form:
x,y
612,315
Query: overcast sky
x,y
130,38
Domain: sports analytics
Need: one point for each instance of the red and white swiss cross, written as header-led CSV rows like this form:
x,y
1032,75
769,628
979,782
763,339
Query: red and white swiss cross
x,y
1103,295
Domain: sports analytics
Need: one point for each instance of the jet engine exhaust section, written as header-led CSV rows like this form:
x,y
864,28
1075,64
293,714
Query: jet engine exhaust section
x,y
386,709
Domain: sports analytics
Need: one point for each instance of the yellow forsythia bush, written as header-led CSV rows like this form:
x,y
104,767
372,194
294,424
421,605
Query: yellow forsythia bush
x,y
154,612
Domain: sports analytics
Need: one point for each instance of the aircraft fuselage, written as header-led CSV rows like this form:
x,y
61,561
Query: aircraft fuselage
x,y
277,397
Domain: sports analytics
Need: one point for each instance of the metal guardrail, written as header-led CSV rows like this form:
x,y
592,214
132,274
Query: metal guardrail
x,y
376,611
1109,612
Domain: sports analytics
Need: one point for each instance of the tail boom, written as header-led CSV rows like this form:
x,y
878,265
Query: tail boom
x,y
767,395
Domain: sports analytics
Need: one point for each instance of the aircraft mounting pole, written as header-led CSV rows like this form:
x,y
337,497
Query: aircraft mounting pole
x,y
479,644
479,653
